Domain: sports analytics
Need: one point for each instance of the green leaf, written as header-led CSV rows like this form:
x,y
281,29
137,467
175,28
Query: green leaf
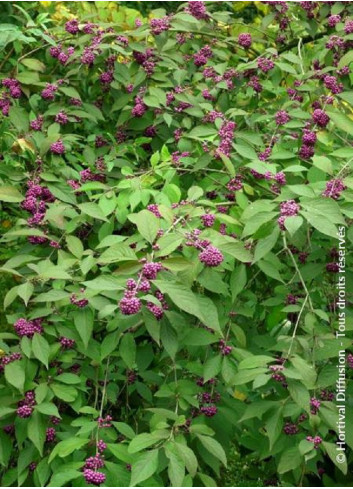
x,y
145,466
238,281
68,378
84,320
246,151
66,447
237,250
338,458
19,118
199,306
212,368
176,468
306,371
60,479
75,246
214,448
124,429
269,269
117,253
318,222
341,121
70,92
189,458
92,210
103,283
147,224
127,349
48,408
293,223
33,64
51,296
290,460
265,245
168,243
254,361
25,291
322,163
169,340
41,348
274,425
299,394
10,194
145,440
64,392
15,375
5,451
36,431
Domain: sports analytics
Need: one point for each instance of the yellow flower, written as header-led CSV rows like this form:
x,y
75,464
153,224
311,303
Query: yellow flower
x,y
6,224
239,395
21,145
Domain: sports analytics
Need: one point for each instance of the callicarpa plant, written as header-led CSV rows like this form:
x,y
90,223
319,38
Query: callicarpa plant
x,y
180,199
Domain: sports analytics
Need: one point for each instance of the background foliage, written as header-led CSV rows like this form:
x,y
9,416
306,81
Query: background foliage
x,y
173,178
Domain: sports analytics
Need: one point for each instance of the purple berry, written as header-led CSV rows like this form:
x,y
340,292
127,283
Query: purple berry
x,y
211,256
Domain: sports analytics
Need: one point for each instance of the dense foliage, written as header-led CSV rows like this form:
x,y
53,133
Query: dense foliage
x,y
172,192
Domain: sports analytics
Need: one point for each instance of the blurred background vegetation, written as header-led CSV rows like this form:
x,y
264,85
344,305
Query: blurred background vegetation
x,y
249,12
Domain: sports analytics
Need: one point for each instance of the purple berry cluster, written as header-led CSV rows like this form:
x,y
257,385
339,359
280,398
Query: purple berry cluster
x,y
197,9
332,267
245,40
290,429
326,395
93,477
25,407
158,311
81,303
320,118
154,209
203,55
226,134
333,20
288,208
105,422
12,357
314,405
37,123
130,303
208,220
277,375
282,117
50,435
58,148
59,53
131,377
160,25
317,440
139,108
36,200
211,256
13,91
48,93
224,349
334,188
23,327
265,64
66,343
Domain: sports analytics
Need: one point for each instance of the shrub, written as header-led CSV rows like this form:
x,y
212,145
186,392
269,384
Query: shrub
x,y
176,191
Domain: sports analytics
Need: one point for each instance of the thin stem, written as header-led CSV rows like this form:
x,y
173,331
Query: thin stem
x,y
102,401
298,271
296,326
